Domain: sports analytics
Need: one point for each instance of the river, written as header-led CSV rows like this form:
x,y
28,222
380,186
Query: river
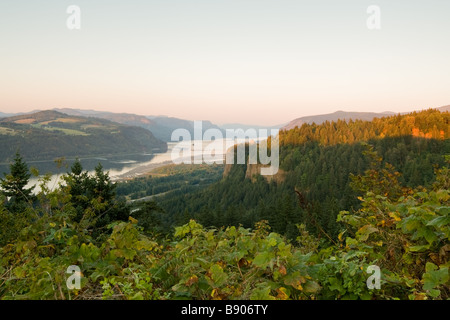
x,y
130,165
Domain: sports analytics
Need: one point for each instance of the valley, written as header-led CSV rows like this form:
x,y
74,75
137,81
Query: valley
x,y
346,190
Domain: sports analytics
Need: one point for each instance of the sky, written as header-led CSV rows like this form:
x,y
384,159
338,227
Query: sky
x,y
262,62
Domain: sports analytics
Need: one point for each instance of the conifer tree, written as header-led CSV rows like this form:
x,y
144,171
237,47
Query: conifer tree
x,y
78,182
13,185
102,185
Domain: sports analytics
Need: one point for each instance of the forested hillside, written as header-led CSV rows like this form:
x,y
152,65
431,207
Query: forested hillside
x,y
49,134
170,178
335,116
320,161
426,124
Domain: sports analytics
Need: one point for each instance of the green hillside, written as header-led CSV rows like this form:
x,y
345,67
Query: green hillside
x,y
316,163
47,135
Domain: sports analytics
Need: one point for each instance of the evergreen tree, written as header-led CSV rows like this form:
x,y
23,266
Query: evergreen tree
x,y
108,207
78,182
94,198
13,185
148,216
102,186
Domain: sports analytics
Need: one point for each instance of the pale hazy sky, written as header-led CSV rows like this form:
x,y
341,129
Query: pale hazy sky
x,y
249,61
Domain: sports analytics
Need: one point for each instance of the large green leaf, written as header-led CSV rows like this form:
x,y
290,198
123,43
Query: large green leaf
x,y
262,259
439,221
218,275
434,277
365,231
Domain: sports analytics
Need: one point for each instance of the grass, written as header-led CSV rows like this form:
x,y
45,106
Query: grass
x,y
70,132
64,120
7,131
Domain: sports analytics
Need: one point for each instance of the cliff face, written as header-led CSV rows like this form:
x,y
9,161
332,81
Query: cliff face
x,y
226,170
254,170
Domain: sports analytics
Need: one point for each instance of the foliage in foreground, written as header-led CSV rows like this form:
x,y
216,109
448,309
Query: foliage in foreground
x,y
405,232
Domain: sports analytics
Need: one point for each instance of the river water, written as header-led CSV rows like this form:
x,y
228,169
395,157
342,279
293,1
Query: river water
x,y
132,165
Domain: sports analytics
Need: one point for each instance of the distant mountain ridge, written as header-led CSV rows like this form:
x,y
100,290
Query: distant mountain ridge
x,y
338,115
31,118
163,126
234,126
123,118
4,115
444,109
160,126
50,134
345,115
